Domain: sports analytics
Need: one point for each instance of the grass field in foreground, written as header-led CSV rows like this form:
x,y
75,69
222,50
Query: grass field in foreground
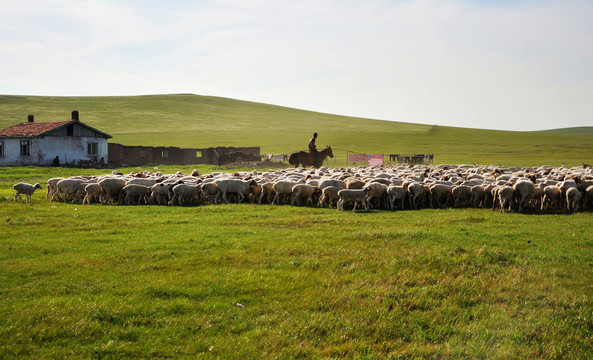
x,y
194,121
248,281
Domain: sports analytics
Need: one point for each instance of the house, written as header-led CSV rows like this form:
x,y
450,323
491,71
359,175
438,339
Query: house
x,y
41,143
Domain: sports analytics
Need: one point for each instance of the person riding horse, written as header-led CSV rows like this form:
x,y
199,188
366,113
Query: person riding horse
x,y
313,148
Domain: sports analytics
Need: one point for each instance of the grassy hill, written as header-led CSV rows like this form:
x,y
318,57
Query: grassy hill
x,y
187,120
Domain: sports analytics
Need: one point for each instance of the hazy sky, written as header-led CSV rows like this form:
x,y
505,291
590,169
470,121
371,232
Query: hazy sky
x,y
513,64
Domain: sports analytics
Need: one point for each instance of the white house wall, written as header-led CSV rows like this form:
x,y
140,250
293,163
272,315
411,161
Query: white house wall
x,y
43,150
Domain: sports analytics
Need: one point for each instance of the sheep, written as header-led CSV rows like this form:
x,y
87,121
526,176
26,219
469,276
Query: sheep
x,y
92,191
27,189
355,184
300,191
478,196
505,197
185,191
415,194
234,186
573,197
161,191
112,187
329,195
377,191
143,192
524,190
209,191
267,191
462,195
52,186
283,188
441,193
332,182
70,187
396,193
588,195
552,197
356,196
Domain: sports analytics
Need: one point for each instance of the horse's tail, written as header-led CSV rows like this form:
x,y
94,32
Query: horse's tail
x,y
293,159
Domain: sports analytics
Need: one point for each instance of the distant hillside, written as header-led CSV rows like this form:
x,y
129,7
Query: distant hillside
x,y
187,120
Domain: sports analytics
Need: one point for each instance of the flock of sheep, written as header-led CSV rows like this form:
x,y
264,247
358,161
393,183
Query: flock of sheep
x,y
385,187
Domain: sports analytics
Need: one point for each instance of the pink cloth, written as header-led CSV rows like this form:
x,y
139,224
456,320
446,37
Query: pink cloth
x,y
374,159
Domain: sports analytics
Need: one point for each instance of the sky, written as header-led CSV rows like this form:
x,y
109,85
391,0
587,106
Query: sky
x,y
507,65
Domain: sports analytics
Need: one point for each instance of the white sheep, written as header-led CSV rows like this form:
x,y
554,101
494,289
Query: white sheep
x,y
377,191
283,189
356,196
27,189
130,191
111,187
92,191
234,186
396,193
524,191
306,191
329,195
161,191
52,186
186,193
462,195
573,197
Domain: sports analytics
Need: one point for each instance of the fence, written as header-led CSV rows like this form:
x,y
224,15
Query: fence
x,y
350,158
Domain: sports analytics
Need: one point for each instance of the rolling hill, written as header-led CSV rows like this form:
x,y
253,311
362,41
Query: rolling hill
x,y
187,120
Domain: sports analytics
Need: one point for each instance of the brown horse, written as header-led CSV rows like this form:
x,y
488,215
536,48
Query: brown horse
x,y
307,158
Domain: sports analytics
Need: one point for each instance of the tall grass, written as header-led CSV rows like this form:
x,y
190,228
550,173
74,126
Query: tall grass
x,y
248,281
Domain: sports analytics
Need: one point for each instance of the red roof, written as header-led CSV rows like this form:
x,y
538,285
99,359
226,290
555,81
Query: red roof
x,y
31,129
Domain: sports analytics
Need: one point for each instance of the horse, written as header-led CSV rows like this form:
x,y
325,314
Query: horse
x,y
307,158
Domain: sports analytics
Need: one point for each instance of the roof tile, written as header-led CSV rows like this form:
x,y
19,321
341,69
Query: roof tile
x,y
31,129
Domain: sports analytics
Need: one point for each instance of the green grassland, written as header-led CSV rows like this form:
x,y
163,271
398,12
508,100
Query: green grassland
x,y
249,282
195,121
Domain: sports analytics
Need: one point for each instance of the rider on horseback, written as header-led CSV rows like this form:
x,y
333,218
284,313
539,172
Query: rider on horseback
x,y
313,148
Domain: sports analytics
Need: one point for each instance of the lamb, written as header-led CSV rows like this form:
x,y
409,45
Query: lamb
x,y
505,197
112,187
283,189
462,195
300,191
332,182
92,191
329,195
377,191
267,191
356,196
70,187
396,193
441,194
552,197
209,191
52,186
234,186
161,191
27,189
185,191
573,197
143,192
524,190
415,194
477,199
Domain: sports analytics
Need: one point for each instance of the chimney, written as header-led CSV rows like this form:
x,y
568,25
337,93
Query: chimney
x,y
75,115
31,118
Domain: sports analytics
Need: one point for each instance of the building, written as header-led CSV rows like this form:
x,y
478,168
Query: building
x,y
41,143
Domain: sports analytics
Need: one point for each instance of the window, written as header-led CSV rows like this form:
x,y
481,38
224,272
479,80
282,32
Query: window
x,y
165,153
92,148
70,130
199,153
25,148
1,148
